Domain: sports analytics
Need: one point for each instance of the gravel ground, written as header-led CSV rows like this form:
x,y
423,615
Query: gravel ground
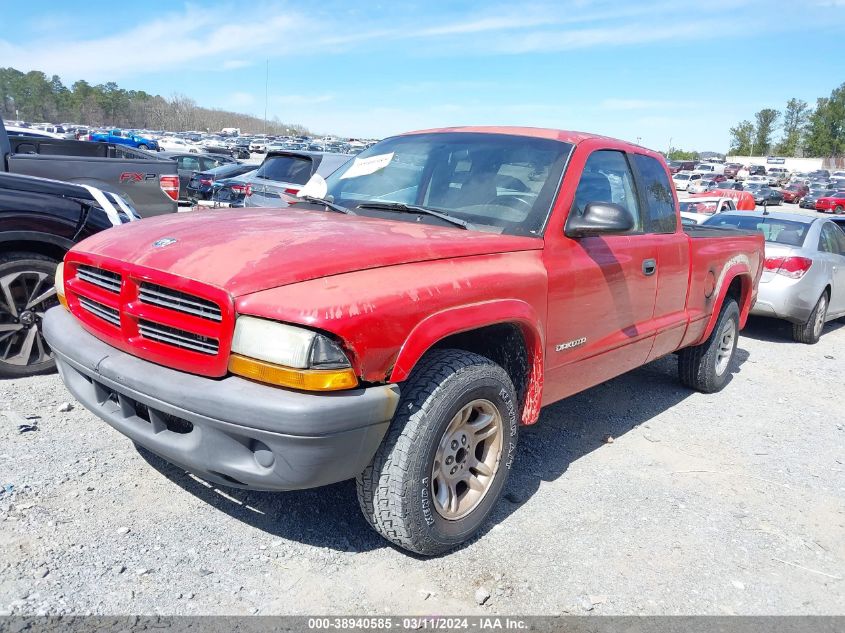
x,y
724,504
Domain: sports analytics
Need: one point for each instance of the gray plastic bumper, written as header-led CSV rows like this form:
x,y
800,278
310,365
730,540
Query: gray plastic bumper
x,y
230,430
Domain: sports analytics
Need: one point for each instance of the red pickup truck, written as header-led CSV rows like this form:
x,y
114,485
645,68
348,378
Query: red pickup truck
x,y
402,321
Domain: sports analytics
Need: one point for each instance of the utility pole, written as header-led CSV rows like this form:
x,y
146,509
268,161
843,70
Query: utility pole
x,y
266,93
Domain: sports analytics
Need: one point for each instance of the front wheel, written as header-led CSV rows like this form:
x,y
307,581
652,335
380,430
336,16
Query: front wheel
x,y
446,458
706,367
811,331
26,293
143,146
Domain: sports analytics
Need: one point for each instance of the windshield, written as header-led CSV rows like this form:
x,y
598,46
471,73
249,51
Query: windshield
x,y
497,182
775,230
292,169
681,176
708,207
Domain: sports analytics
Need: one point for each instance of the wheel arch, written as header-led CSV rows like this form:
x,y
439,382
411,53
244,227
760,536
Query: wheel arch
x,y
737,283
33,242
508,332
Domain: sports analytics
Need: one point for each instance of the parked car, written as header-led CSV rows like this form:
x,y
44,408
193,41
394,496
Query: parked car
x,y
711,169
820,174
402,322
676,166
697,210
40,220
808,201
189,163
794,192
742,174
729,185
173,144
832,203
731,170
119,137
683,180
231,192
765,195
756,170
144,180
282,174
804,274
777,175
201,184
701,185
258,146
756,180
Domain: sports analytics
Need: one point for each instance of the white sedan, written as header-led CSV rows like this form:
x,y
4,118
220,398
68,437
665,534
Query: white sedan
x,y
683,179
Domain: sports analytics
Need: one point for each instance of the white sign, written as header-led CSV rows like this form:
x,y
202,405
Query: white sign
x,y
367,166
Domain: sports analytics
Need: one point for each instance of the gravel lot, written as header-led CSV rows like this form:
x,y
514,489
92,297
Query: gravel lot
x,y
722,504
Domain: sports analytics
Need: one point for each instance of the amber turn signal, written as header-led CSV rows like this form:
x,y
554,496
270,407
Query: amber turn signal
x,y
60,285
304,379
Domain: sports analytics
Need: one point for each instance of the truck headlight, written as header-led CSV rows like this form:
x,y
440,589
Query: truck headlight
x,y
289,356
59,282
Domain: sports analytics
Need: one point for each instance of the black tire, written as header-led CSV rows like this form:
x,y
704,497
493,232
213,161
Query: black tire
x,y
30,266
396,491
838,209
811,331
699,366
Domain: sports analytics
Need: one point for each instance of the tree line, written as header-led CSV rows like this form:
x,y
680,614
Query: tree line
x,y
36,98
804,131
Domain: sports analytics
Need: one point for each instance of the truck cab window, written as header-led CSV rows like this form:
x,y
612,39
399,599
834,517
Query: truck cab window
x,y
660,216
607,178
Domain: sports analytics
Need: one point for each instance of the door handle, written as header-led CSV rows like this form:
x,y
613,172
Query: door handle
x,y
649,267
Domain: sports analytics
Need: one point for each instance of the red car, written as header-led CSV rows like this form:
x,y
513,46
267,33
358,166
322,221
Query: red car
x,y
834,203
401,322
732,169
794,192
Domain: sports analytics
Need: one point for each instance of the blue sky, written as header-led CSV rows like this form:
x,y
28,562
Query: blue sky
x,y
649,69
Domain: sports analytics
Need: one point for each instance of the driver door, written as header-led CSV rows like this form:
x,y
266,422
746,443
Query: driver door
x,y
602,289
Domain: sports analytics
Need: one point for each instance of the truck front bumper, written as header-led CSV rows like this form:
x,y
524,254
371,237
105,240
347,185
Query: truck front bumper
x,y
230,431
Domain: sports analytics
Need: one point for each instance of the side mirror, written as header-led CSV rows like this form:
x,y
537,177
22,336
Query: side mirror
x,y
600,218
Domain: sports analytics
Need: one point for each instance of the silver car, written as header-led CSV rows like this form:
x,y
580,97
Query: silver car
x,y
803,278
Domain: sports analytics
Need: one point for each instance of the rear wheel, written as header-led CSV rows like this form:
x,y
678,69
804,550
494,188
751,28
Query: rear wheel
x,y
811,331
445,460
706,367
143,146
26,293
838,209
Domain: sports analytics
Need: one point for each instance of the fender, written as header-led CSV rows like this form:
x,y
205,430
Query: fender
x,y
737,266
35,236
459,319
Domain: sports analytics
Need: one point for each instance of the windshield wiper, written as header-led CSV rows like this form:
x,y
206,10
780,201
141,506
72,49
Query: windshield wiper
x,y
412,208
328,204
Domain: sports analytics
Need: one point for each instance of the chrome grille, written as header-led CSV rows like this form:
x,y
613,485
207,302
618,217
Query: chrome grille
x,y
99,277
179,301
104,312
178,338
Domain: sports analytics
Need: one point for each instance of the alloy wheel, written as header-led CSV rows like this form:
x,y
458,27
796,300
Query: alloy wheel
x,y
24,298
467,459
727,337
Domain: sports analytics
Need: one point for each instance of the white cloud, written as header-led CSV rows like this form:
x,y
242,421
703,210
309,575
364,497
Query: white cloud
x,y
241,99
234,64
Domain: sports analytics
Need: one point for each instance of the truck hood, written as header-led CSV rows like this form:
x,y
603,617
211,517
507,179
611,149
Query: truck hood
x,y
247,251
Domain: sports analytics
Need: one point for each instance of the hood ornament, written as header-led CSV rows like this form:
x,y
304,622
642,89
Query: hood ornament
x,y
165,241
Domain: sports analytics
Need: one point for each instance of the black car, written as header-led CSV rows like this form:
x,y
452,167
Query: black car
x,y
231,192
815,192
40,220
756,170
190,163
766,196
201,183
729,185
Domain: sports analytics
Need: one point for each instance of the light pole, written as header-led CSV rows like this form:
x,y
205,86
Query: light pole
x,y
266,93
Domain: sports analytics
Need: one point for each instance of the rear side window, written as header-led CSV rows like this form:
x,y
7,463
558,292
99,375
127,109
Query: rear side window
x,y
831,239
607,178
776,231
293,169
660,216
